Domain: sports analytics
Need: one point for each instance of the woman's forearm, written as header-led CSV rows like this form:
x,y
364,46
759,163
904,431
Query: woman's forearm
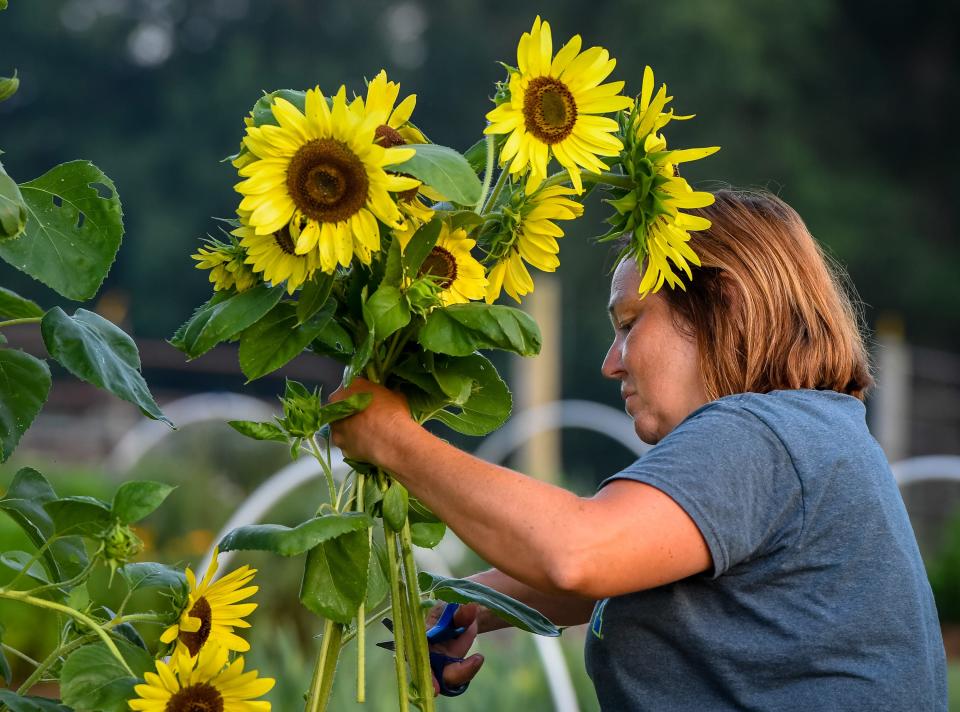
x,y
563,610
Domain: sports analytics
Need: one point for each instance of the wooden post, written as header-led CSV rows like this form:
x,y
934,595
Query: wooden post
x,y
891,401
536,380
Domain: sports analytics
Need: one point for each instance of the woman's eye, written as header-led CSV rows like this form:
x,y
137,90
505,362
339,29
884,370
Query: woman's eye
x,y
625,326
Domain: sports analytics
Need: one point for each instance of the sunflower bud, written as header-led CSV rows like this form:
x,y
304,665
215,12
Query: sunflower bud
x,y
13,211
120,544
301,410
9,86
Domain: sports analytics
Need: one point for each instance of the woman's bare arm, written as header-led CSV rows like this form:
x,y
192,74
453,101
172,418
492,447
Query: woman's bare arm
x,y
562,610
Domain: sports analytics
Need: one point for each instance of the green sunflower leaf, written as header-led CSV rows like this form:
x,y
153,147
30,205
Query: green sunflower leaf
x,y
93,679
13,306
278,338
258,431
23,561
488,404
314,295
149,574
445,170
387,310
427,534
26,703
461,329
378,582
64,558
83,516
223,317
135,500
13,211
519,615
24,385
261,112
98,351
73,230
288,541
476,156
335,576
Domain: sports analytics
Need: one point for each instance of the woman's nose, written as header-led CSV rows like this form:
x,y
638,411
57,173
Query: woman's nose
x,y
612,366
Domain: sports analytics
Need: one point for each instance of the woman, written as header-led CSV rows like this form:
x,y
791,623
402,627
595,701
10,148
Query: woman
x,y
759,557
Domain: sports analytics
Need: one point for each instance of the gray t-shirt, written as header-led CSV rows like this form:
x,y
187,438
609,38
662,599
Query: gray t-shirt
x,y
817,599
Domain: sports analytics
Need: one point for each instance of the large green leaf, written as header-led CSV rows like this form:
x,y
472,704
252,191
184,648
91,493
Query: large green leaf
x,y
335,576
223,317
80,515
149,574
258,431
93,679
13,306
24,703
292,542
72,233
13,210
96,350
489,403
25,562
427,534
24,385
514,612
313,295
135,500
277,338
420,245
23,502
461,329
445,170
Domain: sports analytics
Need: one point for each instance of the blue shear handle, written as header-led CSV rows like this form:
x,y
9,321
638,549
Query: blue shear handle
x,y
438,661
444,630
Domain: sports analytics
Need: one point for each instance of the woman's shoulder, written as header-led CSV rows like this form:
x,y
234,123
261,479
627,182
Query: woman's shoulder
x,y
790,406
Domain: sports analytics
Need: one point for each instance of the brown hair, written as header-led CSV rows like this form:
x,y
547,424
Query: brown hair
x,y
768,308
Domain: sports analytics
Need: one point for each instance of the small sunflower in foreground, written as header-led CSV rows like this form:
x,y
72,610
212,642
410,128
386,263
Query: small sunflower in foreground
x,y
529,235
275,255
650,214
213,610
394,127
323,171
202,683
225,260
458,275
553,107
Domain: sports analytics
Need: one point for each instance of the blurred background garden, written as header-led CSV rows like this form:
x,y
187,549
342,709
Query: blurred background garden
x,y
847,110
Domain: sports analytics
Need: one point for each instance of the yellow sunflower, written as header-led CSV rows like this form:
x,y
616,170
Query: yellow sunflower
x,y
394,128
275,255
553,107
205,682
322,170
651,212
226,264
529,235
458,275
213,610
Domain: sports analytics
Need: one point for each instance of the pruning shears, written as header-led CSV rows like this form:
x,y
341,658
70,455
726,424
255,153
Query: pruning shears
x,y
442,631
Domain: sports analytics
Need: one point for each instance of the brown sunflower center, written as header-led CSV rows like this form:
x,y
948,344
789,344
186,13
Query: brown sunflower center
x,y
284,240
549,110
440,263
327,181
194,641
388,137
201,697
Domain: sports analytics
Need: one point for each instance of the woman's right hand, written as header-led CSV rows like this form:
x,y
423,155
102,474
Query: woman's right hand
x,y
456,674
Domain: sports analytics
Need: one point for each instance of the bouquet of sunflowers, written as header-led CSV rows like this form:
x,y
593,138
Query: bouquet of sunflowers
x,y
356,238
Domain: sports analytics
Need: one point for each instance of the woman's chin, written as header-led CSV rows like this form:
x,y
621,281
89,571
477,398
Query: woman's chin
x,y
645,429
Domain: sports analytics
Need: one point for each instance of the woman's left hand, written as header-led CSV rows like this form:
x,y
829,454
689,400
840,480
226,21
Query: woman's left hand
x,y
371,434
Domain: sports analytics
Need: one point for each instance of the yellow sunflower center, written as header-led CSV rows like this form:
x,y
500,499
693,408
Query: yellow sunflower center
x,y
284,241
327,181
388,137
201,697
440,263
194,641
549,110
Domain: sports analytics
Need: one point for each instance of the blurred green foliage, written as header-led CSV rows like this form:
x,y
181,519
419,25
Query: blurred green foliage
x,y
944,573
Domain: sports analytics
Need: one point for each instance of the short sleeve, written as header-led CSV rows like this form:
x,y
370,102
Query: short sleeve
x,y
733,476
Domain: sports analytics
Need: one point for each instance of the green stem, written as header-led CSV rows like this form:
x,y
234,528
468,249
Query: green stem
x,y
64,584
23,656
372,618
24,320
487,175
397,605
322,684
136,618
497,189
419,629
327,473
361,611
76,615
37,674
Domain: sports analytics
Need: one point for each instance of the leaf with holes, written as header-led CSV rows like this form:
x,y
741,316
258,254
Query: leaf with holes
x,y
99,352
73,232
24,385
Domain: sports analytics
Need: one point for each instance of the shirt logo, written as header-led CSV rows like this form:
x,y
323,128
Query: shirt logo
x,y
596,621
